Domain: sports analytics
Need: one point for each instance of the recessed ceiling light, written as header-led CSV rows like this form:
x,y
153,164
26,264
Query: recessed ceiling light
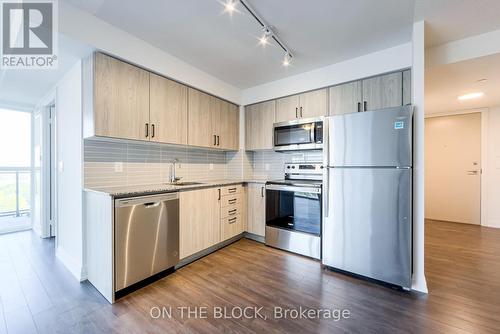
x,y
471,96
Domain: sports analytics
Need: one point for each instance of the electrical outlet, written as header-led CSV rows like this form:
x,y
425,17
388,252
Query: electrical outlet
x,y
211,166
118,167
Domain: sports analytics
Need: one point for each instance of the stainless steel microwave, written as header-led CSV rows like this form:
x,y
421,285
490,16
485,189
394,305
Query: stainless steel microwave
x,y
300,134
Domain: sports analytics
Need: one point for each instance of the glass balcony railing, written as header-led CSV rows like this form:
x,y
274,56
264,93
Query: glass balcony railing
x,y
15,192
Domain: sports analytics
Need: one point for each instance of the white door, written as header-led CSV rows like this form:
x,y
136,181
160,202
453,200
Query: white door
x,y
452,168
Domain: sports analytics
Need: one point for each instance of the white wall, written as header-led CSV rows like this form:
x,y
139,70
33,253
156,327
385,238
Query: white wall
x,y
92,31
490,209
418,101
388,60
69,151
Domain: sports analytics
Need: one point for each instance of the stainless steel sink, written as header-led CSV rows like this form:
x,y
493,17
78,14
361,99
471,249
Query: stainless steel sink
x,y
184,183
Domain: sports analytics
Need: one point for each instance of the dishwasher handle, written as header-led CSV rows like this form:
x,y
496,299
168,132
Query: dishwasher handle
x,y
147,201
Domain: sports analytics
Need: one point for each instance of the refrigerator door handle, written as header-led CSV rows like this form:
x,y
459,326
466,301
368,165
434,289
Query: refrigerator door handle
x,y
326,197
326,164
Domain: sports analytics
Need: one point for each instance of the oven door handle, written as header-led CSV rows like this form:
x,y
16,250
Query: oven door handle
x,y
312,190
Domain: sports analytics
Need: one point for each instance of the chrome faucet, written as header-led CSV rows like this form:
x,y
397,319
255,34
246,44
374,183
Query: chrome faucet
x,y
173,178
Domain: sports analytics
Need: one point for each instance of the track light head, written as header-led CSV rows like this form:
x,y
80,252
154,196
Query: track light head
x,y
287,59
230,5
266,34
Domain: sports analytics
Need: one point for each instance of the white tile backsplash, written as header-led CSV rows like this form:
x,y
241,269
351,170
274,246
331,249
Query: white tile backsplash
x,y
151,163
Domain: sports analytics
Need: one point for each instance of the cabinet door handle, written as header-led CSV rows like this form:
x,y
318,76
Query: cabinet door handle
x,y
231,190
219,195
232,212
147,130
218,140
262,192
215,140
300,112
365,106
232,201
152,130
297,112
359,106
232,220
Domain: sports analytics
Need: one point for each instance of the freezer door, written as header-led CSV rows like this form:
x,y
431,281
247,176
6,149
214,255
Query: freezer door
x,y
369,229
373,138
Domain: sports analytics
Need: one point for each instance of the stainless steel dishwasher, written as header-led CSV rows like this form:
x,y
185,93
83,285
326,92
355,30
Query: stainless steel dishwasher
x,y
146,237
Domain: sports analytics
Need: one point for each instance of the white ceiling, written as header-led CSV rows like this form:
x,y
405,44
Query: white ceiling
x,y
444,84
319,32
28,87
450,20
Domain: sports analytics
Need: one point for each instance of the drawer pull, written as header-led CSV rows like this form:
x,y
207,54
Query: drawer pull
x,y
231,190
232,220
232,201
232,212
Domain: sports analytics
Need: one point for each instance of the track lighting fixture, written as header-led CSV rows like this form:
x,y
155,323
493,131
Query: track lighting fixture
x,y
268,33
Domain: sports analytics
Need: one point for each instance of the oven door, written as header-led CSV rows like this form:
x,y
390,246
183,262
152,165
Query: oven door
x,y
294,208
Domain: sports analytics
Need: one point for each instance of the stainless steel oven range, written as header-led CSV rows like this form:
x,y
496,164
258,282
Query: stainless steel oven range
x,y
293,210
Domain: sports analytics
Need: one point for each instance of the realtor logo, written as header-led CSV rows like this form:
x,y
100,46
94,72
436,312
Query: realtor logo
x,y
29,34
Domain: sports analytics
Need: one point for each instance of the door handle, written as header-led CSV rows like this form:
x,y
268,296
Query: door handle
x,y
215,140
232,220
151,205
359,106
296,112
472,172
262,192
152,130
218,140
147,130
219,194
365,106
300,112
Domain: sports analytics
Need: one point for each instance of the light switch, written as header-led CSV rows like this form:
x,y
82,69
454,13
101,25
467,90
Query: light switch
x,y
118,166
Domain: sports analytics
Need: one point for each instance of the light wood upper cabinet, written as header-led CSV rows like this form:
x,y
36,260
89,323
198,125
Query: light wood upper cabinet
x,y
256,209
305,105
212,122
383,91
168,110
314,103
259,120
287,108
200,225
345,98
120,99
229,129
406,87
199,119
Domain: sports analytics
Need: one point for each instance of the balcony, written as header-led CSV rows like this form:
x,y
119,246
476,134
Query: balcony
x,y
15,199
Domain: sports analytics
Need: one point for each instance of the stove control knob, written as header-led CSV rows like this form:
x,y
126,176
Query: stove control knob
x,y
288,167
293,167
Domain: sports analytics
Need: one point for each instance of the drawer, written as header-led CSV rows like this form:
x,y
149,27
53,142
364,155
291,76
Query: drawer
x,y
231,226
231,190
234,199
231,210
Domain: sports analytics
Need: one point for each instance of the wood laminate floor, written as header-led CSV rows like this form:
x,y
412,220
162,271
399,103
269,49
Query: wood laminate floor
x,y
462,266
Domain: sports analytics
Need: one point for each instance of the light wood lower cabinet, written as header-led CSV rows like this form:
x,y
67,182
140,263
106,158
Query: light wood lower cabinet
x,y
199,220
256,208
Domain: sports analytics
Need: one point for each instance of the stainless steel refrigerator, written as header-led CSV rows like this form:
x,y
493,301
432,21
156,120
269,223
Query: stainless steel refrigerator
x,y
367,223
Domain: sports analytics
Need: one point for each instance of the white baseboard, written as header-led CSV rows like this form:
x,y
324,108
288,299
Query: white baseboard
x,y
75,267
491,223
